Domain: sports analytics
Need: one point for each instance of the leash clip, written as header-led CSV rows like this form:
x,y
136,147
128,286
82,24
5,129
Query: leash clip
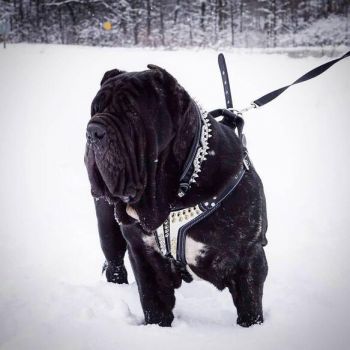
x,y
251,106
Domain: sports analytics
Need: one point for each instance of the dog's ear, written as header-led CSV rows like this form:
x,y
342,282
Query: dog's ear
x,y
111,74
164,75
178,95
180,102
154,66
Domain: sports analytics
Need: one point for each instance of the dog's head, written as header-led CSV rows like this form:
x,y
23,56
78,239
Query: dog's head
x,y
137,141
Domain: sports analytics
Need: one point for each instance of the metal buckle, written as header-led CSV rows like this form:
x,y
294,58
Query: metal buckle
x,y
235,111
246,161
184,187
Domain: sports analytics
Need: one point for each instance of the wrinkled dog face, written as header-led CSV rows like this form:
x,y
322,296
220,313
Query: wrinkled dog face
x,y
121,138
113,169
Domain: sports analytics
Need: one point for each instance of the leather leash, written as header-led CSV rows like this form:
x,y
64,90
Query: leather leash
x,y
263,100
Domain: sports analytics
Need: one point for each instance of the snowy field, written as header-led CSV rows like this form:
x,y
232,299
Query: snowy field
x,y
52,294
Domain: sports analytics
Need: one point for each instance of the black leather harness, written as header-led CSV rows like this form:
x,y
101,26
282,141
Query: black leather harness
x,y
233,119
164,235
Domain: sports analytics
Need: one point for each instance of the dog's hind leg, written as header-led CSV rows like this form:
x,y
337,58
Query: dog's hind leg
x,y
112,242
246,288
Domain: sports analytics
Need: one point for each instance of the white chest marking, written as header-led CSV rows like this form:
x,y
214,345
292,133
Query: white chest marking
x,y
132,212
194,250
150,242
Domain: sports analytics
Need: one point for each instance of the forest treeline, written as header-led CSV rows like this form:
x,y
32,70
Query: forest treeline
x,y
179,23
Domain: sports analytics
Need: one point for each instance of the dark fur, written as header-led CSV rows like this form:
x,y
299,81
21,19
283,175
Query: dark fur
x,y
150,123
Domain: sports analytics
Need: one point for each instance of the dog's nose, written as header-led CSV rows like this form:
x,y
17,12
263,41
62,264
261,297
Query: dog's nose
x,y
95,132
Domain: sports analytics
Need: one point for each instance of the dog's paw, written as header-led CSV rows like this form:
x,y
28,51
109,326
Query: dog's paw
x,y
249,320
115,273
162,320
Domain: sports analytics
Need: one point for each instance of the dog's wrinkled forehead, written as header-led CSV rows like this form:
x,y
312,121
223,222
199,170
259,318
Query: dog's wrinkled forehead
x,y
138,89
151,100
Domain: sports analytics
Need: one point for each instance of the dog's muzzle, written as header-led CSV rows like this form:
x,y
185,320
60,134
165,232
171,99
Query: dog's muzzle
x,y
98,157
95,133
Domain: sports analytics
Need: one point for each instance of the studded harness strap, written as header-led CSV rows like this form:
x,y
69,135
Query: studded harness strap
x,y
171,235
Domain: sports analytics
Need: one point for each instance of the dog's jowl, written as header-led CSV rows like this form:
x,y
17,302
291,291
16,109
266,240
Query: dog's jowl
x,y
176,189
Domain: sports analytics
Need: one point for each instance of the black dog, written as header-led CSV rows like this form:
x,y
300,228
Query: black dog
x,y
141,133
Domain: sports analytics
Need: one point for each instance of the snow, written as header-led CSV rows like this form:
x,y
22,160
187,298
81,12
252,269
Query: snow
x,y
52,294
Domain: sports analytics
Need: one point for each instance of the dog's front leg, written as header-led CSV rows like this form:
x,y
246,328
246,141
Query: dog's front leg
x,y
154,277
112,242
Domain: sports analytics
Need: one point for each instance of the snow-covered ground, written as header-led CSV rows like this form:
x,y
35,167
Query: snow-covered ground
x,y
52,295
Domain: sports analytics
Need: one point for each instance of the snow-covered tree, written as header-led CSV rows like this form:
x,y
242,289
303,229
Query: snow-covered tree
x,y
216,23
